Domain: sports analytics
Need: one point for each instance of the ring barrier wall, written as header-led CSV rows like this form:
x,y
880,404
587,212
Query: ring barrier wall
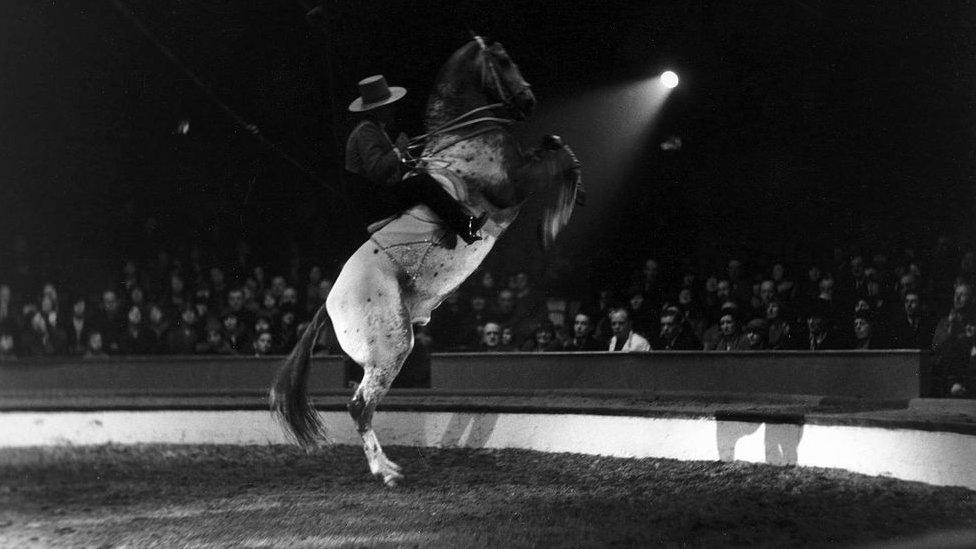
x,y
603,406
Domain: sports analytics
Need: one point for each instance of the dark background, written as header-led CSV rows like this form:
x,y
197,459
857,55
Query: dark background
x,y
805,124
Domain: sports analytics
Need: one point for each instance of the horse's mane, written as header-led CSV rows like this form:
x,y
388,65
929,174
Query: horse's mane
x,y
461,72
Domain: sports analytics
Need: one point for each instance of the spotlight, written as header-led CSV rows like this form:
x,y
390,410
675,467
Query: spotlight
x,y
183,127
669,79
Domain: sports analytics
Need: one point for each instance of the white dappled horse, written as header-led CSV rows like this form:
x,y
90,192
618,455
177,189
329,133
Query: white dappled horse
x,y
410,265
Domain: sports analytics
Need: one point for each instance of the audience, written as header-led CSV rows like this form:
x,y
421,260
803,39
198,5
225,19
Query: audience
x,y
188,303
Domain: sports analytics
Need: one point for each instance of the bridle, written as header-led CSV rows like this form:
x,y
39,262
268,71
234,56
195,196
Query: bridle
x,y
489,78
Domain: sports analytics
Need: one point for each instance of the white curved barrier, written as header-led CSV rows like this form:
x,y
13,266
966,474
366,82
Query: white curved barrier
x,y
941,458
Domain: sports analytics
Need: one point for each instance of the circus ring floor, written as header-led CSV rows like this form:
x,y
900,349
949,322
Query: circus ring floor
x,y
505,470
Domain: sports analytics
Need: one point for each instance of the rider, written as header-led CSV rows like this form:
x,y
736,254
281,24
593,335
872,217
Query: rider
x,y
375,166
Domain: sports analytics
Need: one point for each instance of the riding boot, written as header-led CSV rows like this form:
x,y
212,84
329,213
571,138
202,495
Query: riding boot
x,y
457,218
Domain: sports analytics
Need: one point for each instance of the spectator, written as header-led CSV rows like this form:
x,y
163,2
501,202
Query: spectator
x,y
136,339
40,340
785,288
865,337
642,314
491,339
8,312
263,344
278,285
954,374
583,339
474,321
109,321
175,298
508,339
78,329
235,333
649,284
287,328
951,325
779,330
218,284
137,298
8,351
624,338
235,306
544,339
183,339
911,329
755,336
729,335
158,327
95,349
675,334
712,335
819,334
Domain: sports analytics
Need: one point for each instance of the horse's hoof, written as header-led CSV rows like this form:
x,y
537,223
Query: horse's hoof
x,y
391,481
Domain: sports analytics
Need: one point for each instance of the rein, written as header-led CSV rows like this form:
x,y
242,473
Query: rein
x,y
461,122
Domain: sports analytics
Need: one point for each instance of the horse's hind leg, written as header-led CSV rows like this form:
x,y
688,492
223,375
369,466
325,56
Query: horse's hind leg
x,y
378,373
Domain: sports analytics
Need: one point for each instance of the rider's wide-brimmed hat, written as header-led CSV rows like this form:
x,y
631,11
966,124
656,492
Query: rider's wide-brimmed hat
x,y
374,92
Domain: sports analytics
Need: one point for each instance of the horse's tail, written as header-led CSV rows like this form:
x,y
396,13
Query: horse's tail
x,y
289,392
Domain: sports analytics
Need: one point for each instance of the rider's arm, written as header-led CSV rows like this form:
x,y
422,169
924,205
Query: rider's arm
x,y
381,161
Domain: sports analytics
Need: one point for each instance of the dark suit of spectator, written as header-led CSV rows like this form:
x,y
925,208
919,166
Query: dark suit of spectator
x,y
911,329
183,339
77,329
951,325
675,335
954,374
109,321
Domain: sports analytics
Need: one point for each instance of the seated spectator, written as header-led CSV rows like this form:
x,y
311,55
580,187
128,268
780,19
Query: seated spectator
x,y
287,335
729,334
951,325
136,339
235,333
820,334
159,326
910,329
215,343
642,314
236,306
624,338
8,311
780,332
543,339
8,351
263,344
491,339
954,374
508,339
785,288
755,336
40,339
78,328
864,332
583,340
473,321
109,321
183,339
674,334
710,338
94,349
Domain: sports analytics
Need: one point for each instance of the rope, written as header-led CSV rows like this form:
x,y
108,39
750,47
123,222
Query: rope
x,y
231,113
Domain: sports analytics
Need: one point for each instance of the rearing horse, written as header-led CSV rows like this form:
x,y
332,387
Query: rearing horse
x,y
410,265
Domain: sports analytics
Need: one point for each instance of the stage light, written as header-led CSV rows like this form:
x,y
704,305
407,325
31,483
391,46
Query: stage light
x,y
669,79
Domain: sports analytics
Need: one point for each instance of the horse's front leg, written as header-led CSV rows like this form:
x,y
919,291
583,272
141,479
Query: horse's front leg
x,y
553,162
566,164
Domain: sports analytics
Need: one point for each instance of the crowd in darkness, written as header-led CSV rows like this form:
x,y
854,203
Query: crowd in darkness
x,y
193,304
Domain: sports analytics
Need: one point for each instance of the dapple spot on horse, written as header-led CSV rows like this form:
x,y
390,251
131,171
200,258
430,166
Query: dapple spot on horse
x,y
479,93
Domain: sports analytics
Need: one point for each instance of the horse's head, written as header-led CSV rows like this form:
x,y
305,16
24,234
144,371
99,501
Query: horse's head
x,y
501,79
